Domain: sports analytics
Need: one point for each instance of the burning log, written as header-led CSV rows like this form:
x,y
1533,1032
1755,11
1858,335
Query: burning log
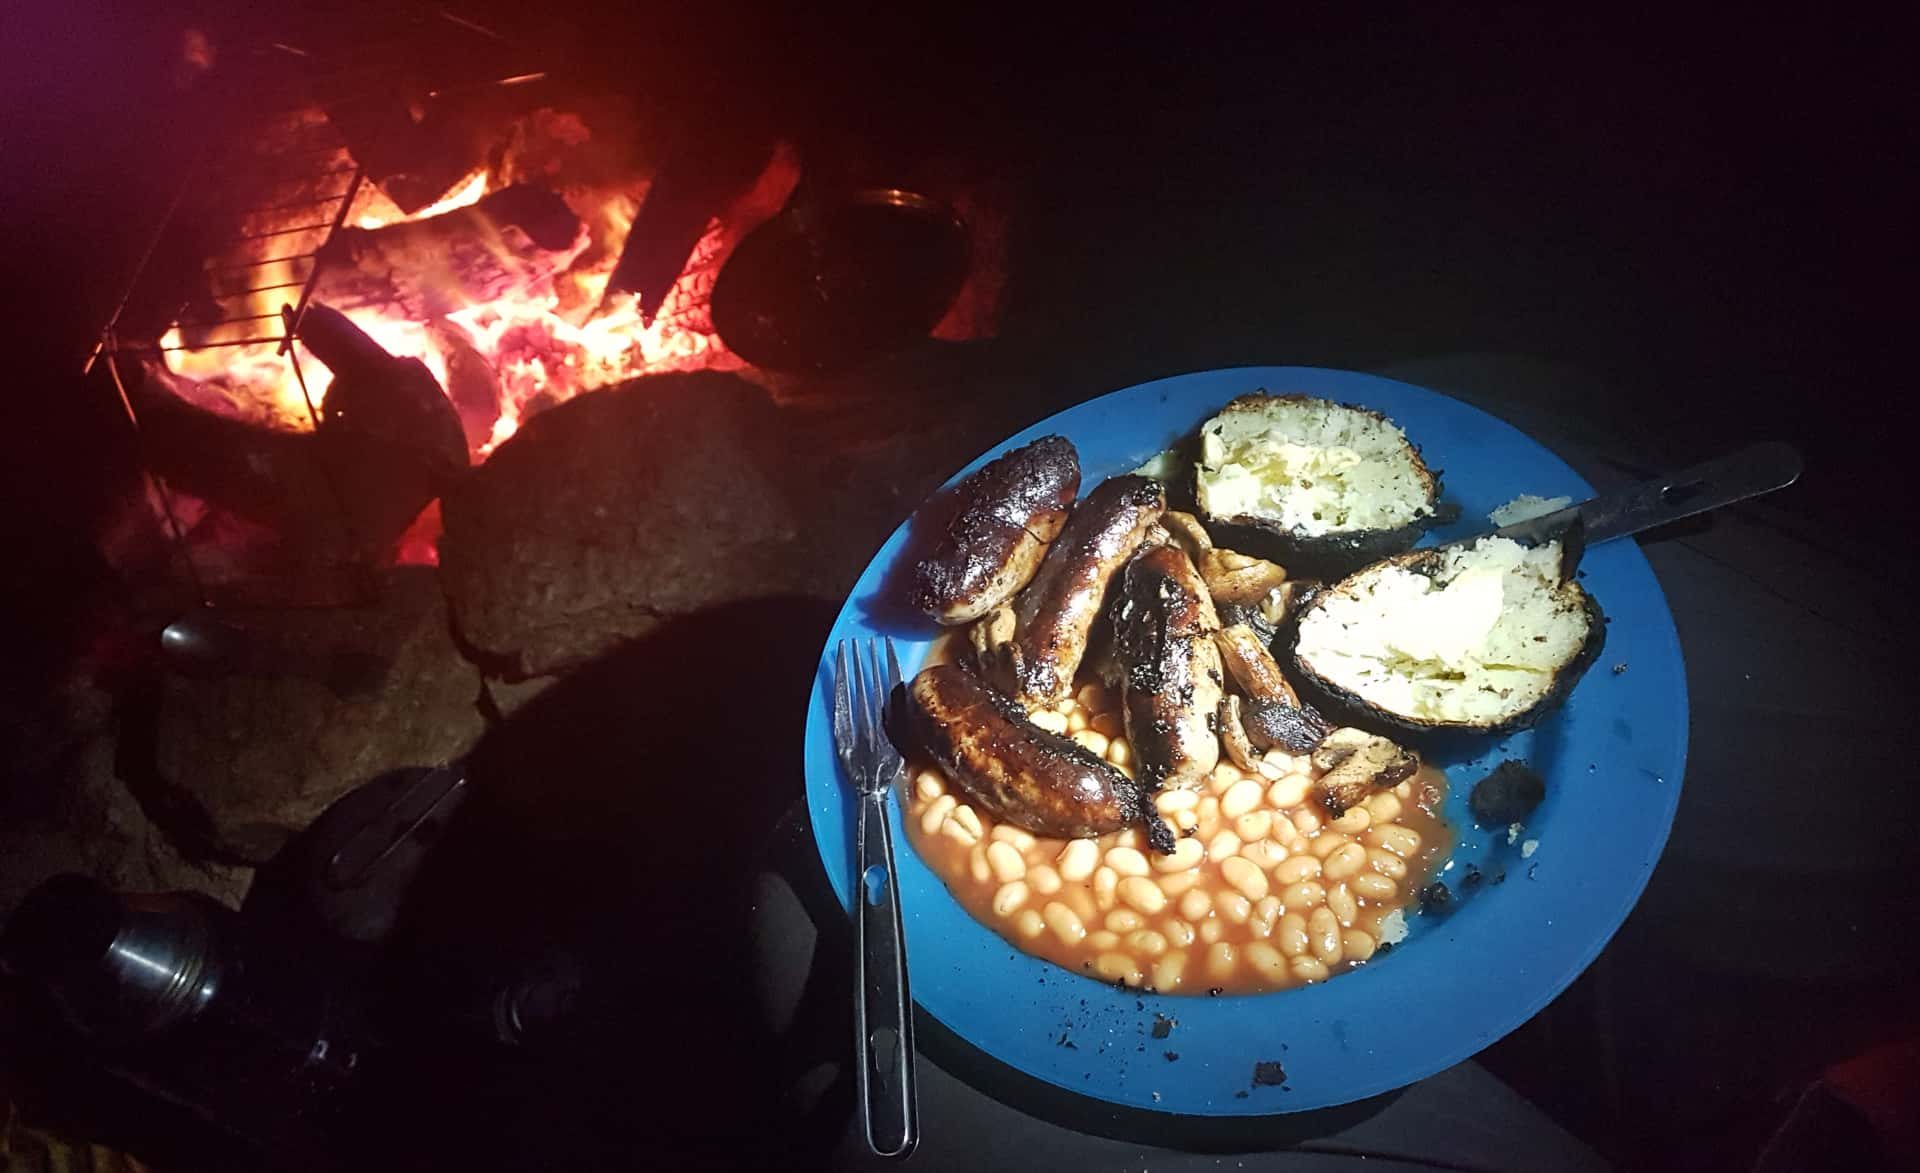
x,y
498,249
387,444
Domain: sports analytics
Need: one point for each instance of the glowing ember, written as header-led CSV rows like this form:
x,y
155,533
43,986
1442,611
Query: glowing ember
x,y
540,344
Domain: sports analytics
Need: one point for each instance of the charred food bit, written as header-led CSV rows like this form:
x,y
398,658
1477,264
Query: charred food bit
x,y
1056,612
1164,632
1330,486
1017,771
1009,511
1507,795
1485,637
1294,729
1355,763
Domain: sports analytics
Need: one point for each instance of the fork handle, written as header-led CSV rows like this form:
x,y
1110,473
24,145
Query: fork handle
x,y
883,1011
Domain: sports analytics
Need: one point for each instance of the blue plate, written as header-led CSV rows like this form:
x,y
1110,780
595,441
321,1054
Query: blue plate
x,y
1612,757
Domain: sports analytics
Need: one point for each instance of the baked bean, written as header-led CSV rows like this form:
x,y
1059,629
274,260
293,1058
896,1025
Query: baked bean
x,y
1284,832
1373,886
1196,904
1221,958
1386,863
1093,741
1043,879
1384,807
1076,724
1009,898
1325,843
1006,862
1223,778
1404,791
1266,911
1290,791
1355,820
1110,723
1340,899
1065,923
1168,971
1304,895
1266,961
1093,697
958,831
1120,753
1270,771
1296,868
1080,899
1102,939
1346,860
1078,859
1127,861
1287,763
929,785
1168,801
1124,920
1185,821
1323,933
1306,822
977,865
1052,720
1223,846
1246,878
1240,798
1292,934
1143,894
967,817
1029,924
1186,853
1265,854
1233,906
1402,841
1146,943
1211,930
1105,881
1117,967
1127,838
1179,932
1178,883
936,813
1309,969
1008,833
1253,826
1357,945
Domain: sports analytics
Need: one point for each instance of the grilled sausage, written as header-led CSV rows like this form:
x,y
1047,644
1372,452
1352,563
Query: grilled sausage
x,y
1009,511
1019,772
1057,610
1164,630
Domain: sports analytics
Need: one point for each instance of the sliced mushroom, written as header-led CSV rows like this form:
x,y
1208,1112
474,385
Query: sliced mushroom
x,y
1355,763
1252,666
989,636
1240,578
1233,734
1280,603
1185,529
1279,725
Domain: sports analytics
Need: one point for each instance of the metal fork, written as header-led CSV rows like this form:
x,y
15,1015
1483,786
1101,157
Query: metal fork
x,y
882,1009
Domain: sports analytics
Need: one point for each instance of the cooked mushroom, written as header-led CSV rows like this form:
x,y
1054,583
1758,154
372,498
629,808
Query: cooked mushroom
x,y
1279,725
1233,734
1252,666
1240,578
1186,529
989,636
1355,763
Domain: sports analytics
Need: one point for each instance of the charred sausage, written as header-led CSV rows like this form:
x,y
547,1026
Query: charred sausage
x,y
1009,511
1164,630
1019,772
1057,610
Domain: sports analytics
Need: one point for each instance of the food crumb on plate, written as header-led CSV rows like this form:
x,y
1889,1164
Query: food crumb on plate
x,y
1269,1073
1513,832
1528,848
1393,927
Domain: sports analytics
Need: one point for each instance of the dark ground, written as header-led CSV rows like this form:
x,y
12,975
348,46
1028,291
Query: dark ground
x,y
1702,215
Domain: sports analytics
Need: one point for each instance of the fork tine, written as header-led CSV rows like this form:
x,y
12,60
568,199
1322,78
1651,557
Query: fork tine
x,y
843,729
876,705
893,688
